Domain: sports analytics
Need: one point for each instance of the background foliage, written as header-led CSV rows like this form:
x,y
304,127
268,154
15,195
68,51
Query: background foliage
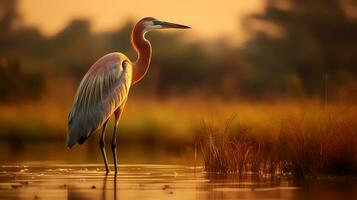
x,y
303,49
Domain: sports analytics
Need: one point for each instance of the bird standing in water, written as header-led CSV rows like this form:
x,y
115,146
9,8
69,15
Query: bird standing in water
x,y
104,89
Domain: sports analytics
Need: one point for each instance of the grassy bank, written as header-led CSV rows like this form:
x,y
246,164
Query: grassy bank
x,y
169,118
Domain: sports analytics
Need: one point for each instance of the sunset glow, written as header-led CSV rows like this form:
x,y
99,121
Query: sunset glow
x,y
209,20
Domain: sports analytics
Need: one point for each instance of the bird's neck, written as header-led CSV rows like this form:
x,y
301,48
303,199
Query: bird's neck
x,y
143,50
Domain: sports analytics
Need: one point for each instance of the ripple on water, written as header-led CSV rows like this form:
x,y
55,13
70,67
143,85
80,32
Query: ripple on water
x,y
139,181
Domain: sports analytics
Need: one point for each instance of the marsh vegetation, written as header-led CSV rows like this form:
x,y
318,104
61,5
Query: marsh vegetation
x,y
310,144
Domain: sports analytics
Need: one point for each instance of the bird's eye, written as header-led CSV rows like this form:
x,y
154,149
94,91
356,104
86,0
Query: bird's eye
x,y
124,64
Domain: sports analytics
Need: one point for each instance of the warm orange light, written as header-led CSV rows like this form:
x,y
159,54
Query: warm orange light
x,y
208,19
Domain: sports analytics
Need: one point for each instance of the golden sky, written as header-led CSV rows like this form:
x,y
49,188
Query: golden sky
x,y
208,18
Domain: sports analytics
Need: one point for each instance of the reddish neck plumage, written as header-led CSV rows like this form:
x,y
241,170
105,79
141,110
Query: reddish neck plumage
x,y
143,49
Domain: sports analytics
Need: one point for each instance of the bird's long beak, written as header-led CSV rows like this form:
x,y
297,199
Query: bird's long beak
x,y
166,25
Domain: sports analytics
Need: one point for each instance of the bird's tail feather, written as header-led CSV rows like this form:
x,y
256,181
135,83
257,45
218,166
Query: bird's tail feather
x,y
76,135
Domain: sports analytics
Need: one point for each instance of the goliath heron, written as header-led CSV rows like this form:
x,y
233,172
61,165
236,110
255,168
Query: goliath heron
x,y
104,89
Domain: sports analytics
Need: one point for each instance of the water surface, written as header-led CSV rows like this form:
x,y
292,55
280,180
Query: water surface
x,y
41,180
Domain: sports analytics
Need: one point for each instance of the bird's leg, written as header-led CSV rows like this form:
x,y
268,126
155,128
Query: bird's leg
x,y
117,114
114,148
102,147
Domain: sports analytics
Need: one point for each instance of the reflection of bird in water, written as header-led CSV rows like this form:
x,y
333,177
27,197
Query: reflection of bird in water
x,y
104,189
115,187
104,89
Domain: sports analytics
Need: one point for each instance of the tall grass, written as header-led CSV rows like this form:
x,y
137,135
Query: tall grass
x,y
323,143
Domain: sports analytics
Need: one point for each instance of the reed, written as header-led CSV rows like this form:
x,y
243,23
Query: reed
x,y
305,146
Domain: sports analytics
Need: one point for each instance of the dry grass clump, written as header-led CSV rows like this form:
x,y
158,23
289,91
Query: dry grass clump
x,y
308,146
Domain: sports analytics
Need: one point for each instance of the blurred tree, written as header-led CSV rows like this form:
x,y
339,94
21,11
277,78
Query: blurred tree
x,y
72,48
8,15
316,40
16,44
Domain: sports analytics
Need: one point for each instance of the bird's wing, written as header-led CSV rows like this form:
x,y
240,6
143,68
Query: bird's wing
x,y
102,90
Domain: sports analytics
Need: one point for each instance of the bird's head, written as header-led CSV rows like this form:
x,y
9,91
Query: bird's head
x,y
151,23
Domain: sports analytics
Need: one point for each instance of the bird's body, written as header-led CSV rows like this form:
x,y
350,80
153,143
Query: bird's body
x,y
104,89
101,92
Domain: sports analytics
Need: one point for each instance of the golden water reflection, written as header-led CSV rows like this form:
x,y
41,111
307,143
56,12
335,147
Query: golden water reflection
x,y
146,181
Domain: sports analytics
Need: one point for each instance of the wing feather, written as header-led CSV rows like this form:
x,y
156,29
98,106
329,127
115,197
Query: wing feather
x,y
102,90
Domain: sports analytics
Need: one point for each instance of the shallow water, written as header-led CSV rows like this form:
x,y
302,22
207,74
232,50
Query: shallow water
x,y
43,180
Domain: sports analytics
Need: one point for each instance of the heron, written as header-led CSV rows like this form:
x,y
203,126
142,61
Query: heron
x,y
104,89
